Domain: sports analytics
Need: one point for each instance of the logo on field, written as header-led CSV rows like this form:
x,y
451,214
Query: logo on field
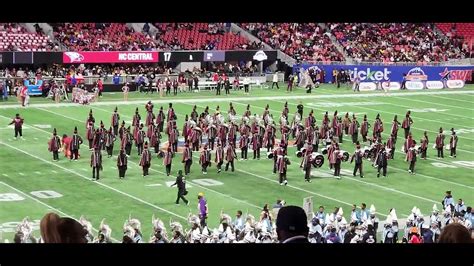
x,y
368,75
416,74
74,56
260,56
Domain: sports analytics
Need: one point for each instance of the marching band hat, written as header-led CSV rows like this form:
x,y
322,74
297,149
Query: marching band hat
x,y
54,131
75,130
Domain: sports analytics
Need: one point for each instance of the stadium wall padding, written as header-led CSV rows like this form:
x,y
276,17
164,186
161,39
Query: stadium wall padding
x,y
393,73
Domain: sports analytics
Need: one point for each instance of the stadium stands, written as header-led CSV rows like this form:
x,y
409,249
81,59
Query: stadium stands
x,y
101,37
304,41
13,37
199,36
461,34
394,42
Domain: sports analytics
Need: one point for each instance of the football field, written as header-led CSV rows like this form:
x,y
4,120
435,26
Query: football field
x,y
31,184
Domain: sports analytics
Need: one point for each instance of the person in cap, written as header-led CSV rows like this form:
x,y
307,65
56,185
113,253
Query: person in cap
x,y
205,159
219,156
96,162
122,163
291,225
453,142
167,160
115,120
181,183
76,142
439,143
203,209
54,144
109,142
187,159
358,156
145,159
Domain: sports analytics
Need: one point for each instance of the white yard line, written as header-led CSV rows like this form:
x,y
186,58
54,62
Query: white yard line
x,y
96,182
450,99
50,207
440,104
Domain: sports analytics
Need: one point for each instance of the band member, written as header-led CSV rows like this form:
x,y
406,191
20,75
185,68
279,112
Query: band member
x,y
364,129
411,157
407,122
231,136
408,143
126,141
122,130
115,121
219,156
168,85
90,133
277,152
212,133
160,119
122,163
187,158
230,156
175,87
346,123
314,139
173,138
139,139
256,145
453,142
336,158
354,129
150,116
54,145
244,144
96,162
391,146
358,156
195,138
378,127
307,165
75,145
109,142
440,143
205,159
300,137
181,184
155,140
150,130
394,130
102,134
339,129
381,161
334,121
424,145
145,159
282,163
136,123
167,160
66,145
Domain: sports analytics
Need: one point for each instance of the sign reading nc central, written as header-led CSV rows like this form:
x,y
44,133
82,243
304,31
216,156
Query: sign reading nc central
x,y
110,57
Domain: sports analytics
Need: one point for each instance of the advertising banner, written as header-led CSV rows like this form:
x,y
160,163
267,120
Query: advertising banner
x,y
434,85
455,84
414,85
391,85
393,73
367,86
110,57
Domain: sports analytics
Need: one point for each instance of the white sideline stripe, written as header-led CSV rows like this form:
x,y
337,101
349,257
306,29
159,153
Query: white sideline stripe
x,y
153,185
450,99
50,207
101,184
399,137
257,98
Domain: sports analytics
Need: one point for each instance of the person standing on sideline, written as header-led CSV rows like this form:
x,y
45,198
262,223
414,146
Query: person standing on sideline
x,y
96,162
54,145
145,159
181,183
203,209
290,83
275,80
453,142
18,121
125,90
100,86
122,163
246,83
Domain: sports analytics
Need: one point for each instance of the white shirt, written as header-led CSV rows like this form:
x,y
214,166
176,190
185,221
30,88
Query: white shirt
x,y
275,77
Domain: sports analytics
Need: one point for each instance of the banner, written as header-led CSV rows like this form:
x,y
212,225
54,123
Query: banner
x,y
111,57
455,84
367,86
393,73
214,56
181,56
392,86
414,85
434,85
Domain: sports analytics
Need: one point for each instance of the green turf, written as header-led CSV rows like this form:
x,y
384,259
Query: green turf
x,y
26,165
